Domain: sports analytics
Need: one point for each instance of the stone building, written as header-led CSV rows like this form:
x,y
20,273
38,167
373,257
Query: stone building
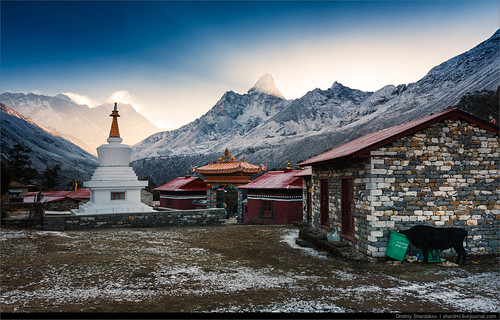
x,y
306,193
59,200
17,191
440,170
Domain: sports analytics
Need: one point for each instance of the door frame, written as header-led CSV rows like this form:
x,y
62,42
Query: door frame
x,y
324,203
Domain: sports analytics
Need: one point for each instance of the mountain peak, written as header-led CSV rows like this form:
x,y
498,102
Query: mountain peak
x,y
337,84
266,85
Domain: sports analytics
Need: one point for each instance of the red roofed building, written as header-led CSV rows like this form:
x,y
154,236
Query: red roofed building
x,y
440,170
274,198
181,192
59,200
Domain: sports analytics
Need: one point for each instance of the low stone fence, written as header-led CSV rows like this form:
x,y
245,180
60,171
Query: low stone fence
x,y
158,218
22,215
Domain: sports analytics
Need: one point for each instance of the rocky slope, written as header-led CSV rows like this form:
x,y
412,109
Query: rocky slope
x,y
46,148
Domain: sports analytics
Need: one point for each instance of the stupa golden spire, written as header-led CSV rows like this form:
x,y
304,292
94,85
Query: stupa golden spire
x,y
114,133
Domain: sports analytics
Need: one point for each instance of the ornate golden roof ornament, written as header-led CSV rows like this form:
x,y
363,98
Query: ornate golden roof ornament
x,y
243,160
226,154
288,165
114,132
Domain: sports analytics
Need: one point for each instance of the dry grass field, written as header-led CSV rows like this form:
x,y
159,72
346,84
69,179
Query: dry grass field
x,y
234,268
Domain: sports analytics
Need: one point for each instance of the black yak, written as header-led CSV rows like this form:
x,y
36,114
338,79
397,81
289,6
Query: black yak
x,y
429,238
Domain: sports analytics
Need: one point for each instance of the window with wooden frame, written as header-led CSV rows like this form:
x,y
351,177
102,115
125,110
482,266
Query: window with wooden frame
x,y
117,195
266,209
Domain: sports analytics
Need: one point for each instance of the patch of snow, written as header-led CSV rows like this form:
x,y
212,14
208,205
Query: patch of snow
x,y
6,234
289,238
54,233
292,305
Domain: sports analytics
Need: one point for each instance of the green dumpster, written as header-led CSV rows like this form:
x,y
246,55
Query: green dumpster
x,y
397,246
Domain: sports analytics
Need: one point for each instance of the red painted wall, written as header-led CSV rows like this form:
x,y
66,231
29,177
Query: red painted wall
x,y
284,212
180,204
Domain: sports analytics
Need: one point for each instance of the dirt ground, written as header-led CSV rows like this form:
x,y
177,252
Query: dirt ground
x,y
234,268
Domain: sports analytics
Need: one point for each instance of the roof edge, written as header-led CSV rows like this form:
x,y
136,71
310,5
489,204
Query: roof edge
x,y
453,113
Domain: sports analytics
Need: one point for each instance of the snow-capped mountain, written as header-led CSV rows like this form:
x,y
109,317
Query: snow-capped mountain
x,y
233,115
46,148
266,85
268,129
80,124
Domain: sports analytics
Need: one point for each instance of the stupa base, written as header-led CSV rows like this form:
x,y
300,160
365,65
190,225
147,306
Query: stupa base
x,y
110,209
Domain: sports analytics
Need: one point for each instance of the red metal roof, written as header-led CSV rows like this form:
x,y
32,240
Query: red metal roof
x,y
79,194
363,145
304,173
184,184
53,196
276,180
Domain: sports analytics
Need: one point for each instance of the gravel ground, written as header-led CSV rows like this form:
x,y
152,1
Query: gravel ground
x,y
229,269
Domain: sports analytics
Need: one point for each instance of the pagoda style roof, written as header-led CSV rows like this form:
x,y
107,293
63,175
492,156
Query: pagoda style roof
x,y
186,183
228,164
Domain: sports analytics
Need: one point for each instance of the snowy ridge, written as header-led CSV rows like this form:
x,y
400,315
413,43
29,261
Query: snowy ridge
x,y
46,148
80,124
268,129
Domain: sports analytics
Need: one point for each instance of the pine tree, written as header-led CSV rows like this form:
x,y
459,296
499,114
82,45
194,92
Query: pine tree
x,y
20,163
7,176
51,177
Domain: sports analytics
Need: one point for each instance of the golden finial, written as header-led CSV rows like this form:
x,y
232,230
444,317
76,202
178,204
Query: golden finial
x,y
243,160
288,165
226,154
114,132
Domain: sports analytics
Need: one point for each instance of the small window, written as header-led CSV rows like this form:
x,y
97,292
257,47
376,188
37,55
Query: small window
x,y
117,195
266,209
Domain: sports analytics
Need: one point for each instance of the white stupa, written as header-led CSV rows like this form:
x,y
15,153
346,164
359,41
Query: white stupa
x,y
114,187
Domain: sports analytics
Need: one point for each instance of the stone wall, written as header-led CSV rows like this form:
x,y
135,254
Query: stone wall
x,y
202,217
446,175
358,169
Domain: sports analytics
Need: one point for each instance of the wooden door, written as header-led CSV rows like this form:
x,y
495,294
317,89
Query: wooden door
x,y
347,207
324,203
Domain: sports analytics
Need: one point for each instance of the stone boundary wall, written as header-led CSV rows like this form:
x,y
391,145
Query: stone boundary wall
x,y
157,218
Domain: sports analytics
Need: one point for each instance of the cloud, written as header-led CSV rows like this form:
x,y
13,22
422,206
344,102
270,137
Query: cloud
x,y
123,96
81,99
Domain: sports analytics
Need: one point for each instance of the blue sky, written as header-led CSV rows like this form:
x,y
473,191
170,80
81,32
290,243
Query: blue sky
x,y
174,60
